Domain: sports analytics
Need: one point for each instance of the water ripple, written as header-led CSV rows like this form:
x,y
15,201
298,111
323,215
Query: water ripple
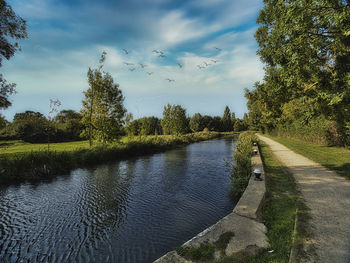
x,y
129,211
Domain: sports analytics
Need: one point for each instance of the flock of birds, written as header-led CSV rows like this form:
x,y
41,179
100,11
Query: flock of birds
x,y
160,54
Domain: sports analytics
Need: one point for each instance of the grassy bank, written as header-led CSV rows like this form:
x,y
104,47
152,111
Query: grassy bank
x,y
281,206
243,165
22,162
334,158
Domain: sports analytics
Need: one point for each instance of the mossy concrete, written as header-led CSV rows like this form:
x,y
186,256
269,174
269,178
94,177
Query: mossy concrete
x,y
250,234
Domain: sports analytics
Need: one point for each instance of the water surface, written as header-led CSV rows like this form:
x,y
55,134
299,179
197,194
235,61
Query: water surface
x,y
128,211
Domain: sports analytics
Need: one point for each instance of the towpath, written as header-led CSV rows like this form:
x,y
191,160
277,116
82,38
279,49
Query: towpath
x,y
327,195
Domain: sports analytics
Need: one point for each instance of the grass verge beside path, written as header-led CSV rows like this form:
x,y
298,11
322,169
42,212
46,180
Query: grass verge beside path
x,y
281,206
334,158
28,164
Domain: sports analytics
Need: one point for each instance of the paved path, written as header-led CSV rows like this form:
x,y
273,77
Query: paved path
x,y
328,197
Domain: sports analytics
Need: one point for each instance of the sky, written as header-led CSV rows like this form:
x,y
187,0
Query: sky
x,y
209,49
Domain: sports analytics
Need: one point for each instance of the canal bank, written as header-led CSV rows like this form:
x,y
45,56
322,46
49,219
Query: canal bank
x,y
243,222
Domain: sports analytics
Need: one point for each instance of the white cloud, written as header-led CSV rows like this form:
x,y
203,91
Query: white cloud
x,y
174,28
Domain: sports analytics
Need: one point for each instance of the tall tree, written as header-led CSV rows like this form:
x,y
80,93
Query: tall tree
x,y
226,120
150,125
103,111
11,27
196,122
305,46
174,120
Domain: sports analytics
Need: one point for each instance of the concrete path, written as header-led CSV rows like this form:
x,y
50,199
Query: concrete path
x,y
327,195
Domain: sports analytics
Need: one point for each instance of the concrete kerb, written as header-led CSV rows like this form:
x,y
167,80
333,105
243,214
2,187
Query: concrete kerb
x,y
250,234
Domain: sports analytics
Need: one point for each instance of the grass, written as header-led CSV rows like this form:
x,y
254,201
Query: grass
x,y
20,160
242,168
19,147
334,158
281,206
205,251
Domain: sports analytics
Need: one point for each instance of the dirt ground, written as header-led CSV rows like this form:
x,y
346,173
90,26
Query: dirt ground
x,y
327,195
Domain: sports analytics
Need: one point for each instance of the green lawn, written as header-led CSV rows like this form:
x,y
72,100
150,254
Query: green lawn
x,y
11,147
18,147
335,158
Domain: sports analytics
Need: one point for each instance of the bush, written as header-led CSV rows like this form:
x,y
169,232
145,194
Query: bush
x,y
243,165
318,130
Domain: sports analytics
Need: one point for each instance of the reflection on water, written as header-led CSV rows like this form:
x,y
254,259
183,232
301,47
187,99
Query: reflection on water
x,y
129,211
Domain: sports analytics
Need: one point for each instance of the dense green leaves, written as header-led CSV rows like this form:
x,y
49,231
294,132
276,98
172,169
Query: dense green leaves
x,y
174,120
305,46
196,123
103,111
11,27
226,120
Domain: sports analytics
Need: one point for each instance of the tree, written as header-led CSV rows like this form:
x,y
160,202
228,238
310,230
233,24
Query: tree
x,y
54,105
3,122
196,122
29,126
216,124
305,46
150,125
65,116
103,111
174,120
226,120
69,127
13,27
240,125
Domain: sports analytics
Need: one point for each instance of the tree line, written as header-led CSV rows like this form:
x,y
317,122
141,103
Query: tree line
x,y
305,93
70,125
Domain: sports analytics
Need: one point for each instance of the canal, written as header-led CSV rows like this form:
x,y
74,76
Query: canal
x,y
128,211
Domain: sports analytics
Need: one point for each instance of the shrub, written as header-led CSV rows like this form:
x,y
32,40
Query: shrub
x,y
242,168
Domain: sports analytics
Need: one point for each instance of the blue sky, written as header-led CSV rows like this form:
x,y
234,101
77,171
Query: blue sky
x,y
66,37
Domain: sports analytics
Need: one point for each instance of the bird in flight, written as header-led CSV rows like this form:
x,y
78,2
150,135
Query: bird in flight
x,y
156,51
126,51
179,65
170,80
218,48
142,65
215,61
206,64
128,64
131,69
150,73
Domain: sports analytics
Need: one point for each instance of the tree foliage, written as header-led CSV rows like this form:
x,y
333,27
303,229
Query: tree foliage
x,y
174,120
69,124
3,122
29,126
11,27
226,120
103,111
196,123
305,46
